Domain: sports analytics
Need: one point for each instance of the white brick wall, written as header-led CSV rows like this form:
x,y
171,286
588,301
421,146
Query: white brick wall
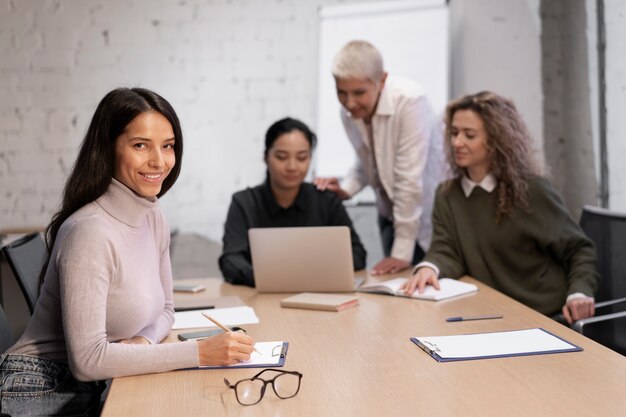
x,y
230,68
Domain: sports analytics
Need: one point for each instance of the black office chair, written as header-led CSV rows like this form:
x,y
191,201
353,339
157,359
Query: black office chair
x,y
6,337
607,230
26,257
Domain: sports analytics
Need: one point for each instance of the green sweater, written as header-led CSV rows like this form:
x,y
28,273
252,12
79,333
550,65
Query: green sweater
x,y
537,258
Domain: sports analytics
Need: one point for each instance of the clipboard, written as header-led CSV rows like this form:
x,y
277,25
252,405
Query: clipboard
x,y
275,351
525,342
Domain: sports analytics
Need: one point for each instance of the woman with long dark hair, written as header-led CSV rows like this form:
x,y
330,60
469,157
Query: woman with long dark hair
x,y
500,221
106,298
283,200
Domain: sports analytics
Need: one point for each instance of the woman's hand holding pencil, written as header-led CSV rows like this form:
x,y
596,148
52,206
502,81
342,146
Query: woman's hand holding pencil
x,y
226,348
221,326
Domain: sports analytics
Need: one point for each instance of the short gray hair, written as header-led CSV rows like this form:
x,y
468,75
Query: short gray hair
x,y
358,59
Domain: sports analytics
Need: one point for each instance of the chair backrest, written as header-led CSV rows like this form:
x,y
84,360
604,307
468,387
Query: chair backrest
x,y
607,230
26,257
6,337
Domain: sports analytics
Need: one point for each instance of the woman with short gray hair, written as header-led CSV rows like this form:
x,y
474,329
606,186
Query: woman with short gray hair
x,y
389,122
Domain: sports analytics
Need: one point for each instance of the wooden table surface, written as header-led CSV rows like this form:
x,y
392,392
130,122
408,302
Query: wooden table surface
x,y
360,362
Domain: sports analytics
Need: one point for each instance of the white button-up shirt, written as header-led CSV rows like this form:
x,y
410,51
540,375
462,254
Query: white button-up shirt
x,y
409,161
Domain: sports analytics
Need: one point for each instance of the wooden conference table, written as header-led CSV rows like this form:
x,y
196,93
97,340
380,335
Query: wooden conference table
x,y
360,362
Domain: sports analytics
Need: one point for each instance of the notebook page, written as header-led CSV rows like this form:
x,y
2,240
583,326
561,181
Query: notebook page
x,y
448,288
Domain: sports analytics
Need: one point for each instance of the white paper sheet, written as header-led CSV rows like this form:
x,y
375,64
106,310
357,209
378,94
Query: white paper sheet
x,y
227,316
507,343
269,354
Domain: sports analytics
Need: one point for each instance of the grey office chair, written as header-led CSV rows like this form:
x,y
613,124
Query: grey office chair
x,y
6,337
607,230
26,257
173,236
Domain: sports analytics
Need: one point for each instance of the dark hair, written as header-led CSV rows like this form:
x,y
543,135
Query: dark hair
x,y
287,125
94,167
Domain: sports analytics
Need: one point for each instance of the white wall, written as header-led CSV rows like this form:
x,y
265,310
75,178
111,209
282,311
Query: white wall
x,y
496,46
230,68
615,17
412,37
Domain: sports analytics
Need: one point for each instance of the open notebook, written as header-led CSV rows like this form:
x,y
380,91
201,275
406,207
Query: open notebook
x,y
448,288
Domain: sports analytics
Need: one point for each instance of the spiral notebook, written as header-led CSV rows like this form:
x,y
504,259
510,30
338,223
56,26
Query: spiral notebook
x,y
464,347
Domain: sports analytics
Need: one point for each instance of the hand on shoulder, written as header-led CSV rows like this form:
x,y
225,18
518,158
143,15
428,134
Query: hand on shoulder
x,y
330,184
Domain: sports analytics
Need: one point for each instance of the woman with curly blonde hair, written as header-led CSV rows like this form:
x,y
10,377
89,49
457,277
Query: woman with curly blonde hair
x,y
509,147
499,221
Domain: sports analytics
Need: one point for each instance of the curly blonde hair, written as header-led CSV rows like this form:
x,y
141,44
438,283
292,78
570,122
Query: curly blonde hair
x,y
508,144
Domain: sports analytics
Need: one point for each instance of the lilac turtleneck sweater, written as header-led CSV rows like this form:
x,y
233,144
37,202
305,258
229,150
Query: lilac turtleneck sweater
x,y
109,279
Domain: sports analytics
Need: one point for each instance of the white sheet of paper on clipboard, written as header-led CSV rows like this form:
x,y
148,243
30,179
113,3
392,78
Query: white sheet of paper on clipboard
x,y
524,342
271,354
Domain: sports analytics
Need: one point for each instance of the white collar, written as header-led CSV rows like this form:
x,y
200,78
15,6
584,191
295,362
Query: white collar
x,y
488,184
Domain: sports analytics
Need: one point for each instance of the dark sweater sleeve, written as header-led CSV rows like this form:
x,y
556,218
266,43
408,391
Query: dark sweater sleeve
x,y
339,217
444,251
568,243
235,261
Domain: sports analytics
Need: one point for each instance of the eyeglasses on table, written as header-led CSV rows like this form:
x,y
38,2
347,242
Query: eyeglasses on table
x,y
250,391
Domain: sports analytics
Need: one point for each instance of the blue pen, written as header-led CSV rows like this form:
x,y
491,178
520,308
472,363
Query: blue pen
x,y
451,319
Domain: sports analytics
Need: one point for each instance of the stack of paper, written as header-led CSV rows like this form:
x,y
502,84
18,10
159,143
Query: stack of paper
x,y
227,316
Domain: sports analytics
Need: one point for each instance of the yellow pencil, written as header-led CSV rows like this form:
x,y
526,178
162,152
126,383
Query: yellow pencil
x,y
221,326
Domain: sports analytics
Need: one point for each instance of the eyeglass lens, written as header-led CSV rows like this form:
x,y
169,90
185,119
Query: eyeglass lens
x,y
286,385
250,391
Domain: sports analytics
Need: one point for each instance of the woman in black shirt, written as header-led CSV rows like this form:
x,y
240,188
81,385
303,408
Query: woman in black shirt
x,y
283,200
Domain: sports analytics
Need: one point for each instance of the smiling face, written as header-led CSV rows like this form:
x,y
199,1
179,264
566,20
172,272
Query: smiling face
x,y
469,144
359,95
288,160
144,153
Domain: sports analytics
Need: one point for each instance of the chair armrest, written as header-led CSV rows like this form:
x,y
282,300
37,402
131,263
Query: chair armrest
x,y
610,302
580,324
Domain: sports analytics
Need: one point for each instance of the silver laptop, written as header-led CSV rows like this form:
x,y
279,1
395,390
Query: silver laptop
x,y
295,259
